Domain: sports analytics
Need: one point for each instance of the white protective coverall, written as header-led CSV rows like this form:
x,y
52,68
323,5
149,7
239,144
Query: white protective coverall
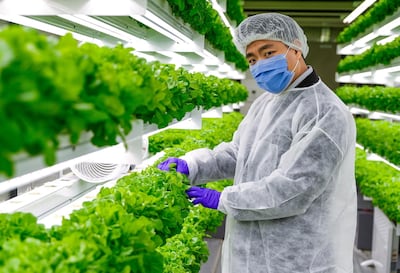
x,y
292,208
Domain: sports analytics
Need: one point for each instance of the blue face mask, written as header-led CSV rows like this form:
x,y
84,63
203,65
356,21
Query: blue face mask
x,y
271,74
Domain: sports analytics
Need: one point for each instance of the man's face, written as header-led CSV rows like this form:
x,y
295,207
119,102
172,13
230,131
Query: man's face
x,y
264,49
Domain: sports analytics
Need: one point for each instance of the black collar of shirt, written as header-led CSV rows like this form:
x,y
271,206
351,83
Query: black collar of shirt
x,y
309,80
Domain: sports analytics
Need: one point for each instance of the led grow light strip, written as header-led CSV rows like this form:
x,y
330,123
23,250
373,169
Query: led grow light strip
x,y
25,21
358,11
152,21
92,23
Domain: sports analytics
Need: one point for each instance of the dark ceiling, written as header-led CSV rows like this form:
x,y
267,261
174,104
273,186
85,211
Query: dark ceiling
x,y
320,19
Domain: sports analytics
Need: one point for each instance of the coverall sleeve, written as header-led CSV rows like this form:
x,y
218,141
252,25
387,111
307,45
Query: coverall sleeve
x,y
303,173
207,165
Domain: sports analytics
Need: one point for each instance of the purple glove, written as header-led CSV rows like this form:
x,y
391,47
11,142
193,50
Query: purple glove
x,y
181,165
207,197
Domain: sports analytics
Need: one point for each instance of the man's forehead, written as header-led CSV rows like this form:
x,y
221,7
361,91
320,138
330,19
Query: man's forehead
x,y
255,45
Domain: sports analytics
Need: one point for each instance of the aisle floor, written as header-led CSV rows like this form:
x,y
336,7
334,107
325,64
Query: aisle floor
x,y
213,264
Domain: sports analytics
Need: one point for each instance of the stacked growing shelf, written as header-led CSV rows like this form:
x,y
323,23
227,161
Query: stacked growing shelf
x,y
157,34
371,72
133,69
374,52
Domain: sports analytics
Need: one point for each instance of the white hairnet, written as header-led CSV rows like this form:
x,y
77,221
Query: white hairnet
x,y
270,26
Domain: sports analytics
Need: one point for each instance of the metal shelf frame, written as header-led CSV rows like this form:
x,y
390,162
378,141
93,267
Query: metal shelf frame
x,y
388,75
52,192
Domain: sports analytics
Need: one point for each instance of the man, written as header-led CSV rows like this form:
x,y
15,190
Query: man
x,y
292,207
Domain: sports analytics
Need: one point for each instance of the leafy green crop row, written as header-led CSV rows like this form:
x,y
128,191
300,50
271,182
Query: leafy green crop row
x,y
234,9
373,98
51,87
380,137
119,231
377,179
201,16
186,251
377,54
192,139
380,182
376,14
143,224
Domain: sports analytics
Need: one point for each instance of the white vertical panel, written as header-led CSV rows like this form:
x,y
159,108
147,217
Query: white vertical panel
x,y
382,241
